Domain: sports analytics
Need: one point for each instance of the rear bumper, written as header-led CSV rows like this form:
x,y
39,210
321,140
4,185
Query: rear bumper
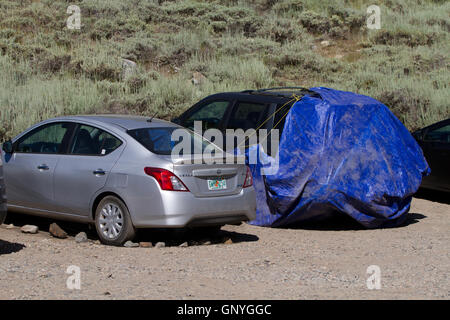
x,y
182,209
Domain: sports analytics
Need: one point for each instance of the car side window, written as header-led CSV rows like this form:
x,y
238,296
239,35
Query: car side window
x,y
45,139
210,114
247,115
441,134
91,141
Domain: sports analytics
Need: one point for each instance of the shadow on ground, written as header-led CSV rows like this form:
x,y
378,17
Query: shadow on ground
x,y
432,195
10,247
19,220
342,222
172,237
194,236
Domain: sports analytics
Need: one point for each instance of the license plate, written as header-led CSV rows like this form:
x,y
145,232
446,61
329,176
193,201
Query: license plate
x,y
217,184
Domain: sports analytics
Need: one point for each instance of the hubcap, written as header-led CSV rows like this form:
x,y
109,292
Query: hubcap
x,y
111,221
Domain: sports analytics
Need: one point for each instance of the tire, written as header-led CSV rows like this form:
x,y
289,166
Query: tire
x,y
113,222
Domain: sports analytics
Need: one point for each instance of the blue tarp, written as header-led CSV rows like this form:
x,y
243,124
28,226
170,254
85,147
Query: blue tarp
x,y
341,153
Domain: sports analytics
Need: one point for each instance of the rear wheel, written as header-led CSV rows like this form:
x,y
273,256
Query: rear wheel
x,y
113,222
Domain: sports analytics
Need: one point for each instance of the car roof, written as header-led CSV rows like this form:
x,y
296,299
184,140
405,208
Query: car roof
x,y
124,122
272,95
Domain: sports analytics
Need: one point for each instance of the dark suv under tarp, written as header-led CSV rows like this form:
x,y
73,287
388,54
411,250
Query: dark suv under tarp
x,y
339,152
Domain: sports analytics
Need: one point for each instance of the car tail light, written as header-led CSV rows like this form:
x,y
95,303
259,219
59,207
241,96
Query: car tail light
x,y
166,179
248,179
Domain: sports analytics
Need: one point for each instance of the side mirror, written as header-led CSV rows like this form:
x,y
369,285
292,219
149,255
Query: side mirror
x,y
8,147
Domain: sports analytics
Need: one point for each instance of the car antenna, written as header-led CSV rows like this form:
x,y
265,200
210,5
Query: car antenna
x,y
154,115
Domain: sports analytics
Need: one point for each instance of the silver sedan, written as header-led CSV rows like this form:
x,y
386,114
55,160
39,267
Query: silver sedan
x,y
119,173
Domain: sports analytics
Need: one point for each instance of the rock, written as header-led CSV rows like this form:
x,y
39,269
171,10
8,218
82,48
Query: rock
x,y
81,237
228,241
10,226
145,244
198,78
131,244
129,68
29,229
57,232
184,245
325,43
206,243
339,56
160,245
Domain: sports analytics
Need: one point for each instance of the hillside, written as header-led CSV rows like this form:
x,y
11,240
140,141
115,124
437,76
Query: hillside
x,y
48,69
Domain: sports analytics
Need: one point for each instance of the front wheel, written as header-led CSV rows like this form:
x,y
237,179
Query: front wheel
x,y
113,222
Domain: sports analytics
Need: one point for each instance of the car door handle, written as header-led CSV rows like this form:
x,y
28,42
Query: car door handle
x,y
99,172
43,167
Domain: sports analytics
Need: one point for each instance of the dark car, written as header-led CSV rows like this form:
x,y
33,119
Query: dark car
x,y
435,143
249,109
2,194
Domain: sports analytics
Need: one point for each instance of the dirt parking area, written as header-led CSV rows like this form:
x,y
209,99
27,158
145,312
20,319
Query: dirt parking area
x,y
327,261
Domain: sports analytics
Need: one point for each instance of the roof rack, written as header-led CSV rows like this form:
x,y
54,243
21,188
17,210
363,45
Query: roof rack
x,y
283,88
277,91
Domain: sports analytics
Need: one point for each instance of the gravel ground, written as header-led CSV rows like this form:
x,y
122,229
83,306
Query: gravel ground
x,y
327,261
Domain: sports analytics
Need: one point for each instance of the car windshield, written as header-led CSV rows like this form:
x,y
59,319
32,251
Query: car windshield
x,y
162,141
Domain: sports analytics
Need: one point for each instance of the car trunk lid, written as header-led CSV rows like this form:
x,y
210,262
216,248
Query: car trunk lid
x,y
211,177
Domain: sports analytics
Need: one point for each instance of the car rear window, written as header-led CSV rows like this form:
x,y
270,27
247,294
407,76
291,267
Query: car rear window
x,y
159,140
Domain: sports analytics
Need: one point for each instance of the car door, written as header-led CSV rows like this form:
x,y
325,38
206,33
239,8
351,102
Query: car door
x,y
436,147
84,170
29,170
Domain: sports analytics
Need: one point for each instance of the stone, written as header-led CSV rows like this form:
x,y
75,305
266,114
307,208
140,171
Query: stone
x,y
29,229
81,237
10,226
128,67
57,232
160,245
131,244
145,244
228,241
325,43
184,245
